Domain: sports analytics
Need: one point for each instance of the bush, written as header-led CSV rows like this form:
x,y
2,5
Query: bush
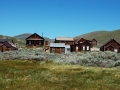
x,y
101,59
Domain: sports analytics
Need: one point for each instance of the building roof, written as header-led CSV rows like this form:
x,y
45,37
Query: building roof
x,y
110,41
57,44
76,41
64,38
34,39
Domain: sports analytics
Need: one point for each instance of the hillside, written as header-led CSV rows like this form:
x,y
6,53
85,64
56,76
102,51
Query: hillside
x,y
102,36
22,36
25,35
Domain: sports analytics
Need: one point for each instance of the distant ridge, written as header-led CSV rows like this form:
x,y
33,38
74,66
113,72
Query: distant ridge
x,y
101,36
25,35
22,36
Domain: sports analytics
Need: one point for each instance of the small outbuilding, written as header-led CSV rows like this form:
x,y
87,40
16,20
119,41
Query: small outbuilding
x,y
59,48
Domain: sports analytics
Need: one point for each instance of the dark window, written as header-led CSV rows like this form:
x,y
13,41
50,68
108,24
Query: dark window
x,y
29,42
39,42
68,49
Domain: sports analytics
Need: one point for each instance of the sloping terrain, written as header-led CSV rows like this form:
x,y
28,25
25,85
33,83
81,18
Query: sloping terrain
x,y
102,36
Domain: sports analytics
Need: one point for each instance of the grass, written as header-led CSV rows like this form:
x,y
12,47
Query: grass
x,y
35,75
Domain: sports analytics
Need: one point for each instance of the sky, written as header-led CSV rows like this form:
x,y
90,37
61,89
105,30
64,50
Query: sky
x,y
64,18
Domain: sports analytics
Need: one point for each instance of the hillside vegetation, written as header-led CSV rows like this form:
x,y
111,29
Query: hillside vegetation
x,y
102,36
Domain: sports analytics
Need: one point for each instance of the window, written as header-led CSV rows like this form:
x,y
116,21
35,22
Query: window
x,y
76,47
68,49
39,42
29,42
83,47
87,47
115,50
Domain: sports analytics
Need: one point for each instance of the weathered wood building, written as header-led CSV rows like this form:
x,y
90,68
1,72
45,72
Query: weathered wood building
x,y
83,46
111,45
59,48
93,42
35,40
7,45
80,40
66,40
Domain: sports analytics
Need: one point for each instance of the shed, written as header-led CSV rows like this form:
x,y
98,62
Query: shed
x,y
59,48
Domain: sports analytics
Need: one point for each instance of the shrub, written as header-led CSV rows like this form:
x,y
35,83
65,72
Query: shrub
x,y
101,59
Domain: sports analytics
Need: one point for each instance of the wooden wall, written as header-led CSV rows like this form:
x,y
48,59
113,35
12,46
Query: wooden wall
x,y
79,47
110,46
34,43
57,50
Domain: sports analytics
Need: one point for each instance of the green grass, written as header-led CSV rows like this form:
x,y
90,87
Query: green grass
x,y
102,36
34,75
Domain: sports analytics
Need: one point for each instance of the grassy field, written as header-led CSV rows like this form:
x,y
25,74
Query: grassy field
x,y
35,75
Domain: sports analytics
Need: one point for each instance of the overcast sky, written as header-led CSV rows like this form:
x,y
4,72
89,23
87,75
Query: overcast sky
x,y
67,18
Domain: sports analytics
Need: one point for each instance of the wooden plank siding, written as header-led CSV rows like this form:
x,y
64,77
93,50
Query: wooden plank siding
x,y
111,45
35,41
66,42
93,42
86,46
57,49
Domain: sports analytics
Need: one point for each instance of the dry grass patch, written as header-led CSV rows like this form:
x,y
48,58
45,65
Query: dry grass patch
x,y
32,75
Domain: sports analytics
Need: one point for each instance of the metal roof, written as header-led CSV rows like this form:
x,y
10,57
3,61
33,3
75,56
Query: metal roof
x,y
57,44
64,38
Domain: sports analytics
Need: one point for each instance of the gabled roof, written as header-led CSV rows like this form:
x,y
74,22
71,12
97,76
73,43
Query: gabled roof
x,y
3,40
79,39
76,41
93,39
109,46
86,41
64,38
109,42
40,38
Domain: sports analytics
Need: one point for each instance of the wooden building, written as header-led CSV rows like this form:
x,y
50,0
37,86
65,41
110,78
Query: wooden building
x,y
83,46
59,48
66,40
34,40
1,47
80,40
93,42
111,45
7,45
